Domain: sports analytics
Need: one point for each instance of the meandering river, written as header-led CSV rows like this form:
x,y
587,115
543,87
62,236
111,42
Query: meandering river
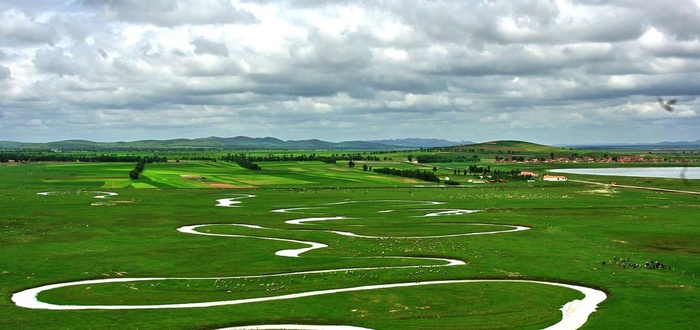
x,y
574,313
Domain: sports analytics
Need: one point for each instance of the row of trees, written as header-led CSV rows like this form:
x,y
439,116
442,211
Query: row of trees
x,y
493,174
447,158
140,166
242,160
414,174
509,175
285,158
27,157
473,169
356,156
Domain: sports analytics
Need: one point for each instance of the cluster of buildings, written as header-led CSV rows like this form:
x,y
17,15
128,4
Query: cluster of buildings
x,y
545,177
587,159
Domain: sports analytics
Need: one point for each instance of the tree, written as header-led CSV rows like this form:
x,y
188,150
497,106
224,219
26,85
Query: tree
x,y
364,167
134,174
410,158
351,164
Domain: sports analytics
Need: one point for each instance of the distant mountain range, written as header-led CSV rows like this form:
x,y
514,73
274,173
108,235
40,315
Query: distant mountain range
x,y
238,142
248,143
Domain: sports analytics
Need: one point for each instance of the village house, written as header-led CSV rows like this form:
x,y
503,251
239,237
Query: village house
x,y
547,177
532,174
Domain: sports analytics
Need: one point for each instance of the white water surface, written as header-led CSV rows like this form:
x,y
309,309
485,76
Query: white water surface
x,y
645,172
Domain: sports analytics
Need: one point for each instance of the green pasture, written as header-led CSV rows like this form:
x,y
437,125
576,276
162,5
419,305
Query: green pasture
x,y
272,174
194,175
579,233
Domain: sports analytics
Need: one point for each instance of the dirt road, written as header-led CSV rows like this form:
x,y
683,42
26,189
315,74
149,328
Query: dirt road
x,y
640,187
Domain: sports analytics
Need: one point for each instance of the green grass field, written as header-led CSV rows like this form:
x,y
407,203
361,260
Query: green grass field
x,y
579,234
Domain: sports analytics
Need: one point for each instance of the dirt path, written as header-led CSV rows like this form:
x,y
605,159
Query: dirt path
x,y
640,187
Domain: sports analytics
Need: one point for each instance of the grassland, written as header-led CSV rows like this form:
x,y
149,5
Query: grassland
x,y
579,234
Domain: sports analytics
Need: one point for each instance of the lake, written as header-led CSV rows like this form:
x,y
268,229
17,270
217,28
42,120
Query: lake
x,y
645,172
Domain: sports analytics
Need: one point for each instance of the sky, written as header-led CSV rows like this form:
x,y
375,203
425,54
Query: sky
x,y
552,72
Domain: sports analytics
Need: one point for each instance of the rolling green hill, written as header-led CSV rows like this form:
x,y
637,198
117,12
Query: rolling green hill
x,y
512,147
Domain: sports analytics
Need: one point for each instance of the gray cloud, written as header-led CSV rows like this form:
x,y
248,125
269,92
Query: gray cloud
x,y
548,71
171,13
4,72
17,27
204,46
56,62
346,52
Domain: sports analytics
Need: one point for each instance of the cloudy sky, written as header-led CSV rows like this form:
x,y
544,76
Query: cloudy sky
x,y
553,72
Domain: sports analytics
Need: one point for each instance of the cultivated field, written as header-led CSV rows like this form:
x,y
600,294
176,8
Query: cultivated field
x,y
206,245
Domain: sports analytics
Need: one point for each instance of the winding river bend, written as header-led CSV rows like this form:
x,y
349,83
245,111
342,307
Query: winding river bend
x,y
574,314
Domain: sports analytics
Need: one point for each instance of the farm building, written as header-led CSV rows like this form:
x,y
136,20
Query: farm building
x,y
532,174
554,178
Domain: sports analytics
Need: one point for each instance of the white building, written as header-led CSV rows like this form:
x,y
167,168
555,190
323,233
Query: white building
x,y
547,177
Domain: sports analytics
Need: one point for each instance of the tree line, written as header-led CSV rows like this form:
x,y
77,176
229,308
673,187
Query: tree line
x,y
284,158
332,159
414,174
28,157
447,159
242,160
140,166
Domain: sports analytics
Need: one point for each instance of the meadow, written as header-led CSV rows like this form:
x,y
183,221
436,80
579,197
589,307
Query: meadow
x,y
139,248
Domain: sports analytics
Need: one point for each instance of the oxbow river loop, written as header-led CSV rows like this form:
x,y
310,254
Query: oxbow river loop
x,y
574,313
